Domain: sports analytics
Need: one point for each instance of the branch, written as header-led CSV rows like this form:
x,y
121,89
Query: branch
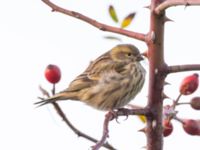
x,y
66,120
115,114
169,3
181,68
139,111
101,26
78,132
108,117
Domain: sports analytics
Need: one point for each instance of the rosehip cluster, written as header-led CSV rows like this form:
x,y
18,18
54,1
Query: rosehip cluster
x,y
187,87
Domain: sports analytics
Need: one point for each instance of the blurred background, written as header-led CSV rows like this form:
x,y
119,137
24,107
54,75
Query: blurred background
x,y
32,37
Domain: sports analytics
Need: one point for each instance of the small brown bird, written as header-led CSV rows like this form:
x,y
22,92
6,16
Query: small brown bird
x,y
109,82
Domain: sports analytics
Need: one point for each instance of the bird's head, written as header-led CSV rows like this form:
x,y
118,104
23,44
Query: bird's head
x,y
126,52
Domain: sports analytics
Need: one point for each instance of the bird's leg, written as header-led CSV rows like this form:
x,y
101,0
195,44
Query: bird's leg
x,y
124,111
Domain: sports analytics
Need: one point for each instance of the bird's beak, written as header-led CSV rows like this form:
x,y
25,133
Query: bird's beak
x,y
139,57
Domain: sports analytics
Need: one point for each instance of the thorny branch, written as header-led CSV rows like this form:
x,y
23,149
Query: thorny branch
x,y
169,3
156,51
101,26
109,116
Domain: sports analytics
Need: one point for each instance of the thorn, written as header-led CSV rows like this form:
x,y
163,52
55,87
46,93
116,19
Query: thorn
x,y
144,147
166,19
164,96
167,83
147,7
186,5
143,130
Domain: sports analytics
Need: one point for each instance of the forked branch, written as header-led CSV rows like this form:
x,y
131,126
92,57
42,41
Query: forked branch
x,y
114,115
169,3
101,26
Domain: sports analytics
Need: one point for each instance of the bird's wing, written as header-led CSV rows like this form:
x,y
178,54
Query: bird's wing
x,y
92,74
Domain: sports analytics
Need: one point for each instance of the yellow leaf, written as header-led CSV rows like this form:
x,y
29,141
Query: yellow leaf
x,y
113,14
142,118
127,20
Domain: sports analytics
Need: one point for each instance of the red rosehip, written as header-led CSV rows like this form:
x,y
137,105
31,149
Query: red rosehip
x,y
195,103
167,128
189,84
191,126
53,73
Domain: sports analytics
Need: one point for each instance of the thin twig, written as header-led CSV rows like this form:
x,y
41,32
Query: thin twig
x,y
183,103
169,3
101,26
182,68
53,91
66,120
176,101
178,119
108,117
76,131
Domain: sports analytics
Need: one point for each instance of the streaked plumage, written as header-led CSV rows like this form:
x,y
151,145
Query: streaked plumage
x,y
109,82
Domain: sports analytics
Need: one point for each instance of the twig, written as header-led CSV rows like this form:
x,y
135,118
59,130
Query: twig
x,y
53,91
176,101
115,114
178,119
101,26
66,120
108,117
140,111
76,131
182,68
169,3
183,103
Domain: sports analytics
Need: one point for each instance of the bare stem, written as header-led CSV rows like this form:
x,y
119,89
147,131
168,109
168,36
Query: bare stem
x,y
53,89
178,119
108,117
71,126
176,101
169,3
183,103
78,132
94,23
182,68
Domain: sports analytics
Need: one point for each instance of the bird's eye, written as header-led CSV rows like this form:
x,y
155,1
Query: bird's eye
x,y
129,54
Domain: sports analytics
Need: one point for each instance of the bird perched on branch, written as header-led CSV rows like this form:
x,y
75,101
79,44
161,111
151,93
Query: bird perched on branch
x,y
109,82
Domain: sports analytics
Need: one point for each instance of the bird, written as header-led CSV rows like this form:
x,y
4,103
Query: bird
x,y
109,82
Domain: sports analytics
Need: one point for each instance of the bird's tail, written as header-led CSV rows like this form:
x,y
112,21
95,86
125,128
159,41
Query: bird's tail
x,y
54,98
